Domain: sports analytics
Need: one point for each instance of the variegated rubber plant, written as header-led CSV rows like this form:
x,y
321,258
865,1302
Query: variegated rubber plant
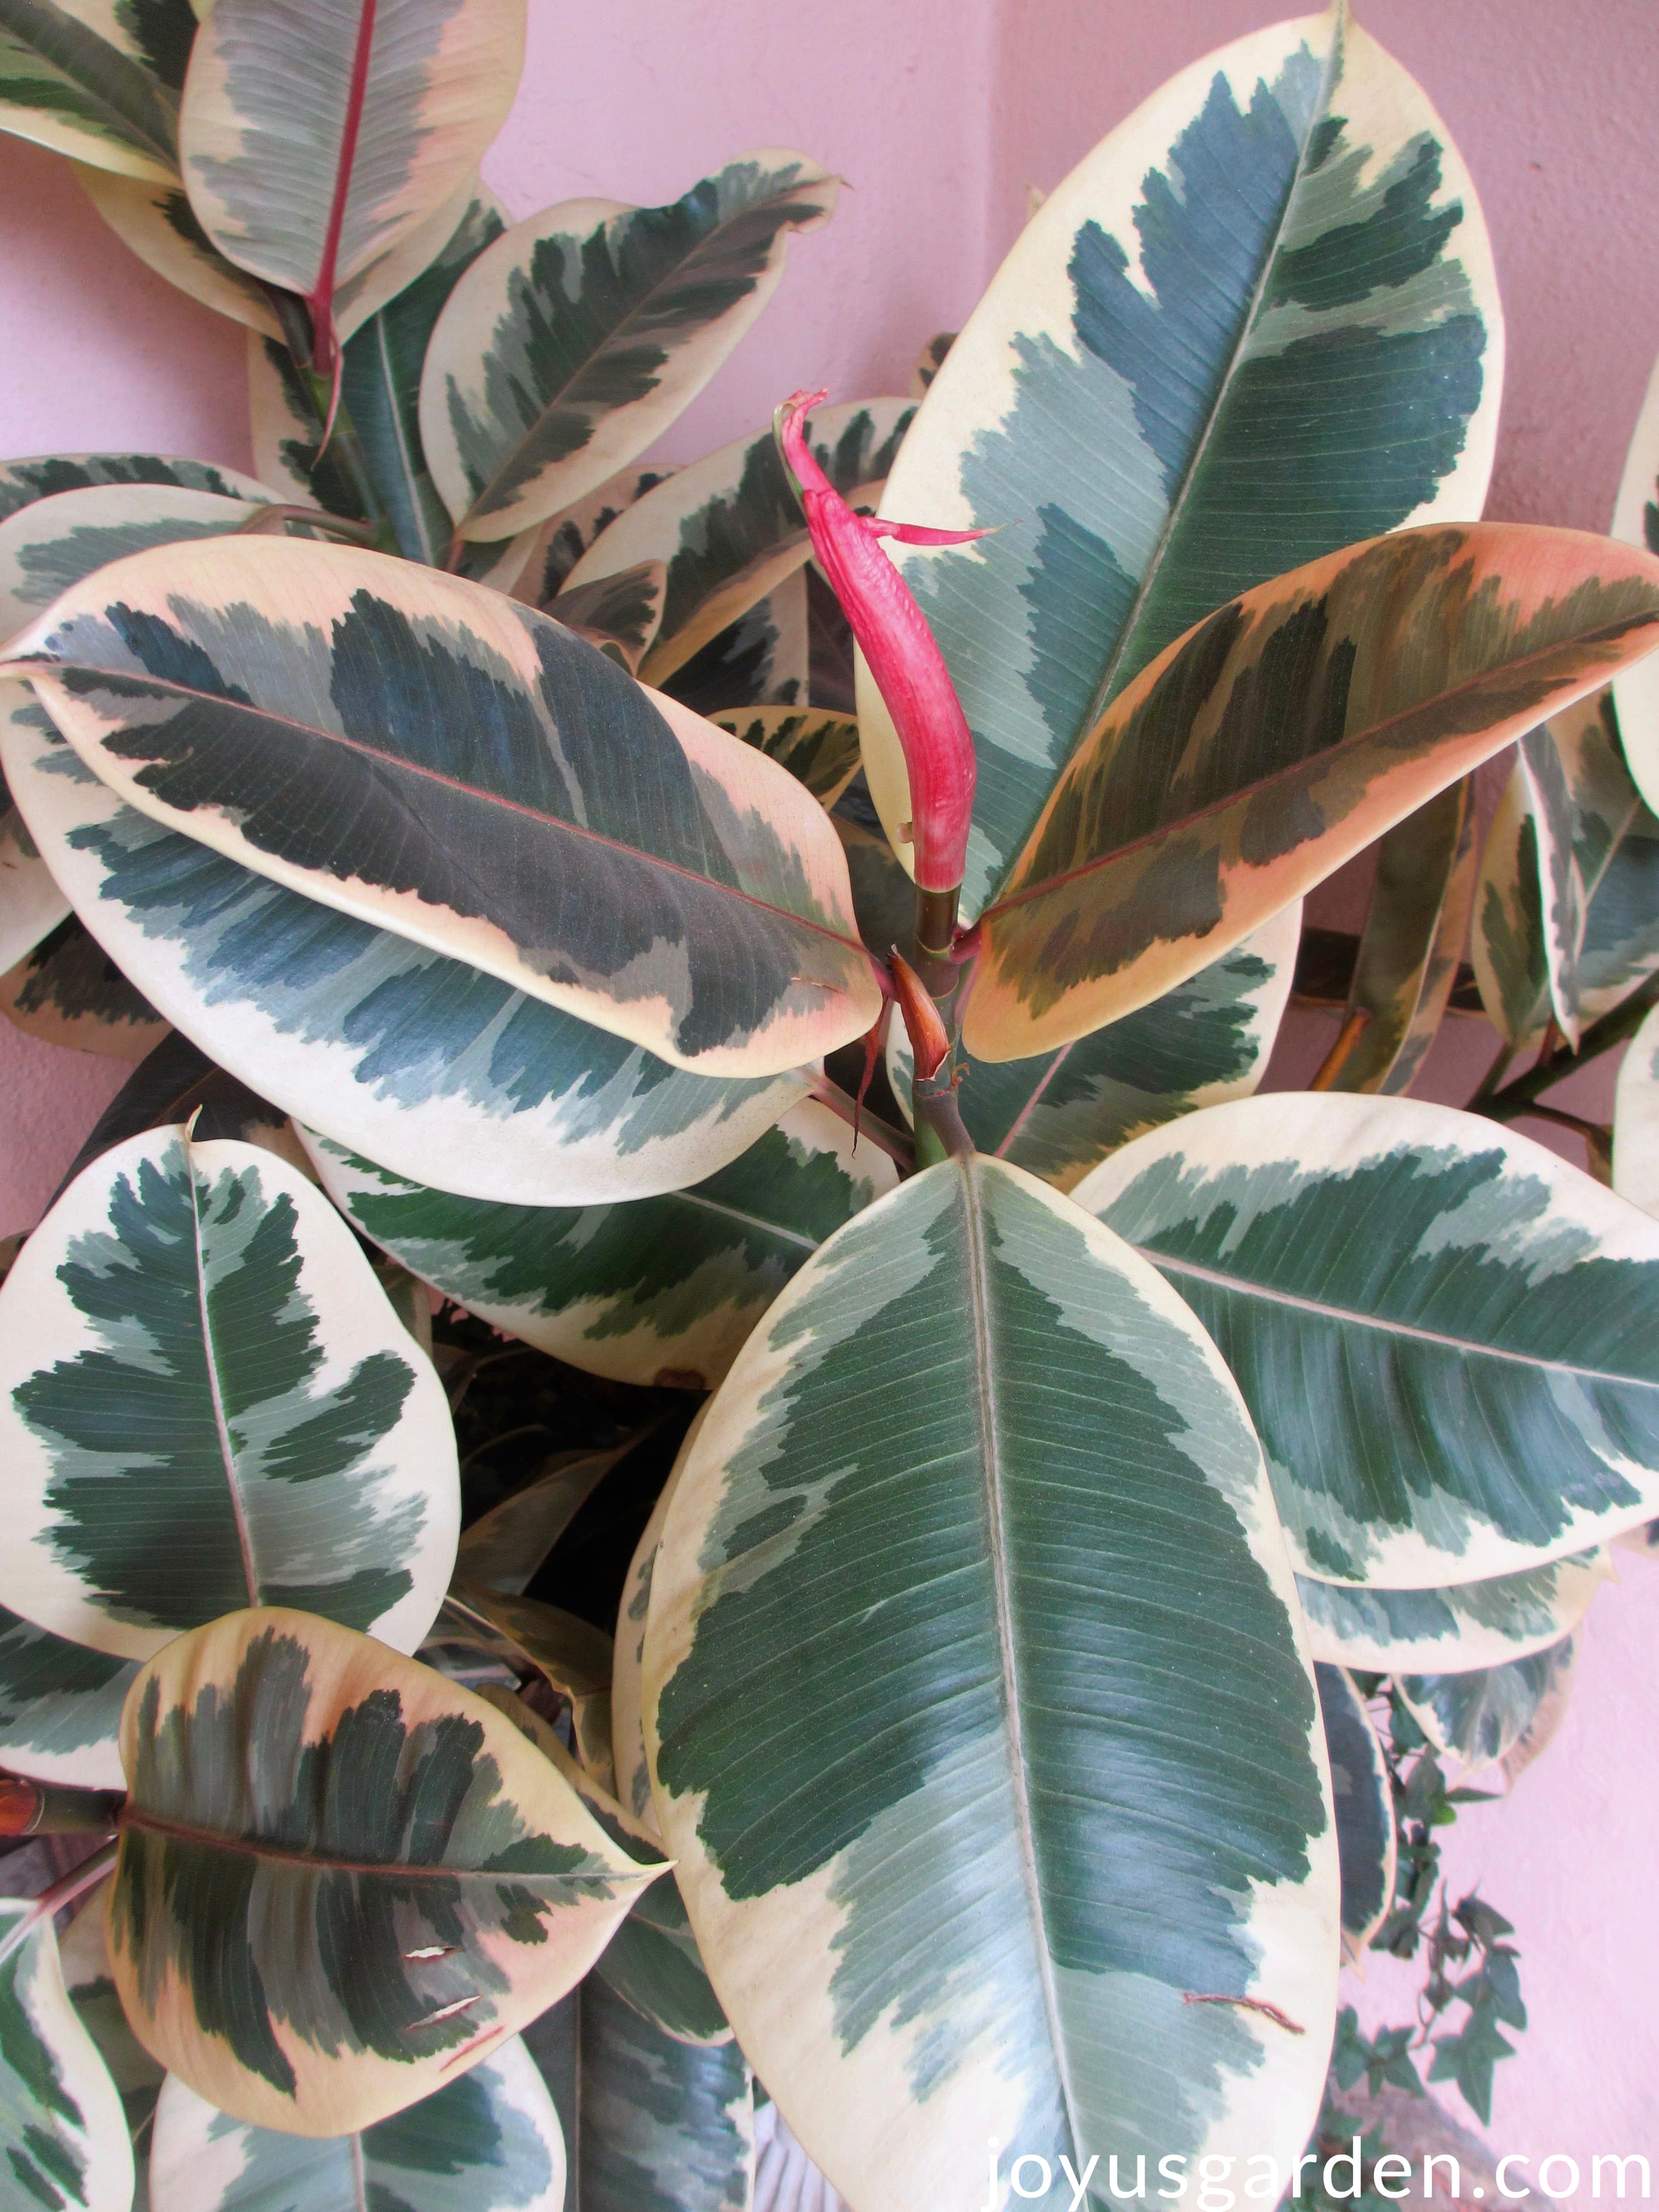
x,y
635,1573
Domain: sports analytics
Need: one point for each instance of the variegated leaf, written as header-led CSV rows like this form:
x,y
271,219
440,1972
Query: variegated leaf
x,y
314,137
731,529
69,992
1444,1333
156,221
177,1083
655,2126
1363,1798
1445,955
1260,321
489,2142
342,1880
884,896
577,339
662,1290
439,760
1208,1040
1636,522
1635,1119
446,1075
628,1655
1564,912
569,1653
96,80
559,542
930,360
60,1707
502,1549
786,2179
90,1982
819,748
1421,863
62,2132
919,1791
1286,733
1478,1718
374,468
45,474
1455,1626
206,1403
618,613
764,659
31,904
56,542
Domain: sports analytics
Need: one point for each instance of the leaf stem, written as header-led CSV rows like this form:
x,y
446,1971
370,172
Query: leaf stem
x,y
51,1902
1614,1029
895,1143
1336,1058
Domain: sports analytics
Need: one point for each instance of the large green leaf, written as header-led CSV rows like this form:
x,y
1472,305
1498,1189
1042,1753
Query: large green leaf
x,y
1363,1797
979,1723
205,1402
84,77
660,1290
1208,1040
1412,942
379,393
447,1076
1289,730
315,137
654,2125
62,2132
730,528
1446,1335
573,342
55,541
439,760
342,1880
1478,1718
1636,522
489,2142
1260,321
1460,1624
1567,905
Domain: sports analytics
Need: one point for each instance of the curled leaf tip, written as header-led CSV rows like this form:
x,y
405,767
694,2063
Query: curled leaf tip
x,y
903,657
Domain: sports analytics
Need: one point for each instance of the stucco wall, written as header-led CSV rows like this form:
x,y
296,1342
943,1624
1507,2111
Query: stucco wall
x,y
940,112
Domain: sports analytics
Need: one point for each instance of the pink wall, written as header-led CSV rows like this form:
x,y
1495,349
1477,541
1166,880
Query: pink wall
x,y
940,112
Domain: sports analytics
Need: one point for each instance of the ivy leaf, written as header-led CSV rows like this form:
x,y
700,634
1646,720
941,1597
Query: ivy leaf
x,y
1468,2057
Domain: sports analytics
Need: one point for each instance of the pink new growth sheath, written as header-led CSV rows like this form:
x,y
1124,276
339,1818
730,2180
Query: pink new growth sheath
x,y
907,664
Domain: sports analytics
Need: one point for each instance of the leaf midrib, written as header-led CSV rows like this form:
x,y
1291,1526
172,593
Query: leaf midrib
x,y
1247,1286
398,766
991,1459
120,70
393,1869
222,1425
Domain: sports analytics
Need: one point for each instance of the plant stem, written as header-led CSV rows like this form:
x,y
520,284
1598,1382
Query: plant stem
x,y
941,1133
76,1883
38,1809
1614,1029
895,1143
1336,1058
1493,1076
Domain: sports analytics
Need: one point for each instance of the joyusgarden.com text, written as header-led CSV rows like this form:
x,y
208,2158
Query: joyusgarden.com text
x,y
1217,2183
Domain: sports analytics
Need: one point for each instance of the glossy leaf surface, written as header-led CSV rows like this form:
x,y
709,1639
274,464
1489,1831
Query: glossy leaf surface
x,y
314,137
920,1792
1444,1333
474,778
1259,322
68,992
449,1077
206,1403
488,2142
63,2133
819,748
60,1707
655,2126
1365,1809
1457,1625
1479,1716
1288,731
79,77
84,1952
578,337
661,1290
342,1880
731,527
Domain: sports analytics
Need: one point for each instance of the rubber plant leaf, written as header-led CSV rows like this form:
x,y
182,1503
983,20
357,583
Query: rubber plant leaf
x,y
399,1882
313,138
1636,522
1455,1626
441,762
62,2131
76,76
1258,322
1478,1718
193,1324
572,344
918,1792
452,1079
1455,1373
660,1290
1363,1797
1282,735
491,2140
